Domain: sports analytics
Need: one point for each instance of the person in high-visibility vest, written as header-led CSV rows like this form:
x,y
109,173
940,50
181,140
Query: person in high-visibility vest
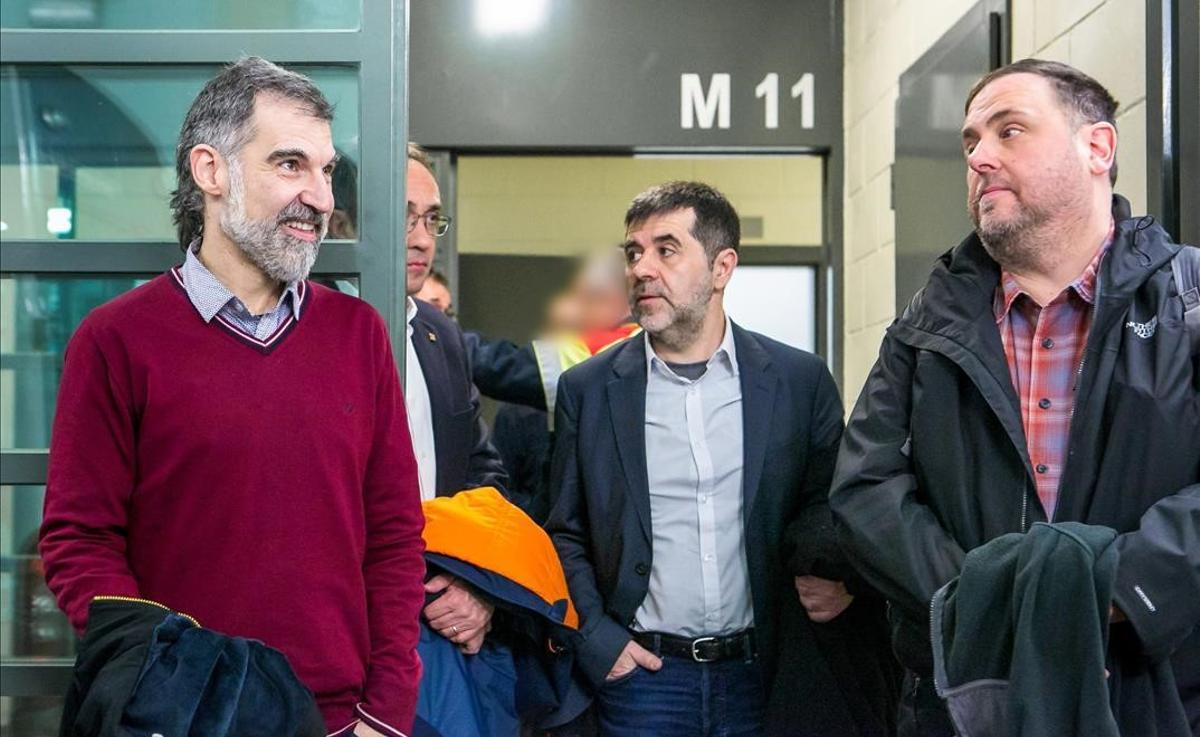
x,y
589,317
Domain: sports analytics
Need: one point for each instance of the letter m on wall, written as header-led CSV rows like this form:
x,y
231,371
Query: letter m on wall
x,y
705,107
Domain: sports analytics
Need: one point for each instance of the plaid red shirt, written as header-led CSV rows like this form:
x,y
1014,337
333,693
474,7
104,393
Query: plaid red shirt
x,y
1044,347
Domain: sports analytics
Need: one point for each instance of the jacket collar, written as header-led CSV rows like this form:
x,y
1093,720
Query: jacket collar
x,y
627,406
952,315
964,279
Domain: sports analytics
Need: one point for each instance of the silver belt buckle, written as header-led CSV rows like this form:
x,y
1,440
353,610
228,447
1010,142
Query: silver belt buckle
x,y
696,653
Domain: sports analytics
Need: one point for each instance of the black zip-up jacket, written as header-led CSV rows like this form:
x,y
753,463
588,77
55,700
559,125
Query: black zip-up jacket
x,y
934,461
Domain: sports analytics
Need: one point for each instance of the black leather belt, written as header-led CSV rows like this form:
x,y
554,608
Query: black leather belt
x,y
739,646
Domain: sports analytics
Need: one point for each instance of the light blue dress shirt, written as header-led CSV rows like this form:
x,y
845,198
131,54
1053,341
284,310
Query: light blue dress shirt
x,y
699,579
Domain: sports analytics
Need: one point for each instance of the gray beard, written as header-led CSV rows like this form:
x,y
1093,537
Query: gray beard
x,y
279,256
1012,245
1015,244
688,320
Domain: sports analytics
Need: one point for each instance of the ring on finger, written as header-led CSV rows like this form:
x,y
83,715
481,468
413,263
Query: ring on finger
x,y
454,628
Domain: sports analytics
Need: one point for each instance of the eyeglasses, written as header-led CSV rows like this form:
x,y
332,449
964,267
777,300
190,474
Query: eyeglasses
x,y
436,224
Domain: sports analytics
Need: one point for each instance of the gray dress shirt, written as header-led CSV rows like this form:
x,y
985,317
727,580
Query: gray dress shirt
x,y
699,580
211,298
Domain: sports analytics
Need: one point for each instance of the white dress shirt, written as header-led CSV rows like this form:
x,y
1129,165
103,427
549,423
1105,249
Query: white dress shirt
x,y
420,413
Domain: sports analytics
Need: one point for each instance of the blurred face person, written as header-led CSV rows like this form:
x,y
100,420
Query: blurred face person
x,y
436,294
1031,166
601,293
279,195
672,283
424,210
563,315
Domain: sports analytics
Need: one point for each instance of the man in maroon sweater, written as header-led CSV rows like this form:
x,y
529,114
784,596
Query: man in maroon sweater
x,y
231,439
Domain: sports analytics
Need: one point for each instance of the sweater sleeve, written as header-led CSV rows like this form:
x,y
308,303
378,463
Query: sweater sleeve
x,y
90,477
394,567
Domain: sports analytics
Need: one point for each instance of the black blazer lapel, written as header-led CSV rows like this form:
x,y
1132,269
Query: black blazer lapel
x,y
627,407
758,381
441,405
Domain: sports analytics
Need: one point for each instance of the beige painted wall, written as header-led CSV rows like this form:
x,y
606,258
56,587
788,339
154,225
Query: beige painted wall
x,y
1105,38
568,205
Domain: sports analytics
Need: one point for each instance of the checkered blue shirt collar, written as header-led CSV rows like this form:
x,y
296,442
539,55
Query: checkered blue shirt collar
x,y
208,295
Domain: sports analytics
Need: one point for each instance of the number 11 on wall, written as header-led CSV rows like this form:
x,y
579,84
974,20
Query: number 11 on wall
x,y
768,91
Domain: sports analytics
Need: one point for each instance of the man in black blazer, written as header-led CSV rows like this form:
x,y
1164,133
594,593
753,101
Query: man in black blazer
x,y
450,438
691,470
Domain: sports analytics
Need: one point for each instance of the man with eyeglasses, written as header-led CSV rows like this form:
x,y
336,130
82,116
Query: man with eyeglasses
x,y
450,439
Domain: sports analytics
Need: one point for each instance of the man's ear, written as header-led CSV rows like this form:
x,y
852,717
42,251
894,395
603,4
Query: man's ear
x,y
1101,140
209,170
723,266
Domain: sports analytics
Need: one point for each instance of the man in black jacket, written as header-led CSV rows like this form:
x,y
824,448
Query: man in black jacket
x,y
450,439
1044,372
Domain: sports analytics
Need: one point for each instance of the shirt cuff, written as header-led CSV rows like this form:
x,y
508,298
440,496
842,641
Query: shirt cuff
x,y
376,724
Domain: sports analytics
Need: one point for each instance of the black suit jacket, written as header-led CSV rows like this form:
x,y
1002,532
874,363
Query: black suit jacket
x,y
600,520
466,458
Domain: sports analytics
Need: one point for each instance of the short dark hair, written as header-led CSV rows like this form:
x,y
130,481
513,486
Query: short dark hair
x,y
439,277
220,117
1083,97
717,226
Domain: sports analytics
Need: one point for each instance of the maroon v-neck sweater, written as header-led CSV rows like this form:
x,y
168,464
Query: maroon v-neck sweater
x,y
266,488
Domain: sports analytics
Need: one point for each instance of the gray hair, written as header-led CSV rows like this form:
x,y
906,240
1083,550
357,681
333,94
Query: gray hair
x,y
421,156
221,117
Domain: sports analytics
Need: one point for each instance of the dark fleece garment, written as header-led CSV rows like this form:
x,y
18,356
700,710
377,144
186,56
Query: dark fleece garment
x,y
1020,639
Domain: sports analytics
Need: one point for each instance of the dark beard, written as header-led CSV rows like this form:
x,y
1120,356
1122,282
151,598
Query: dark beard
x,y
688,319
1012,244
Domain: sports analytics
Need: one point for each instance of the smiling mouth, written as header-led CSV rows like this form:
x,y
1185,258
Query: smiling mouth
x,y
303,229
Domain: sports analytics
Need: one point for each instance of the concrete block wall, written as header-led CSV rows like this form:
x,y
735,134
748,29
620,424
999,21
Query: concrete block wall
x,y
1105,38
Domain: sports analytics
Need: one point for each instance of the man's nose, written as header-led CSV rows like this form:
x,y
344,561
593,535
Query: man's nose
x,y
419,238
644,268
319,194
982,158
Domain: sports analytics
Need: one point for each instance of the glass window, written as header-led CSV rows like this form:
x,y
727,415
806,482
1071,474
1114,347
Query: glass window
x,y
777,301
38,314
155,15
87,152
34,627
30,716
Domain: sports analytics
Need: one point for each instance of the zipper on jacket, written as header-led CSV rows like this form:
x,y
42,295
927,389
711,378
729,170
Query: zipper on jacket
x,y
136,600
1024,506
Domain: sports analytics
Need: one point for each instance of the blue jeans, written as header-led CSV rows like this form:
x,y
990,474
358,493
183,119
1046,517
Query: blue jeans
x,y
684,698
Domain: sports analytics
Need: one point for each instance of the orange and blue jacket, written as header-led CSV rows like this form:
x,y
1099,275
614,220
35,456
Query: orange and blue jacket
x,y
524,672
